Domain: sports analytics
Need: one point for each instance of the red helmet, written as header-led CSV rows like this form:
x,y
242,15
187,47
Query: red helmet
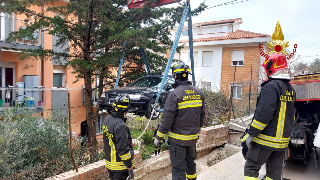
x,y
275,63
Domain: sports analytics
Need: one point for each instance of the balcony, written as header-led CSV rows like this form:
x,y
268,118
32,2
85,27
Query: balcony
x,y
22,100
8,25
94,97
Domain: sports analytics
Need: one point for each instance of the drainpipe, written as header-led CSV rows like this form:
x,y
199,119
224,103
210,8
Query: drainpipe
x,y
42,63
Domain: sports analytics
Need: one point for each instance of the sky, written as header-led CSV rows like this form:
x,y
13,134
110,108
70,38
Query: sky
x,y
299,20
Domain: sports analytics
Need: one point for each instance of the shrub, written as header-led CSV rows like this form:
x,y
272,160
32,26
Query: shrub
x,y
33,147
216,107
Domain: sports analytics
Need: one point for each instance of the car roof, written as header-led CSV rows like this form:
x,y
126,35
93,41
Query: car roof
x,y
169,76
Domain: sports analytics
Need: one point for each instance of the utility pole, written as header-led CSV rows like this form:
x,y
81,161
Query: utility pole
x,y
231,94
250,91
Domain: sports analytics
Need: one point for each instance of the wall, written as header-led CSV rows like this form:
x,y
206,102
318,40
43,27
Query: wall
x,y
154,167
251,57
209,74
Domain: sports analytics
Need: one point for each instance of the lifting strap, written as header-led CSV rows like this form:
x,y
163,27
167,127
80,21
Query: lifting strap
x,y
145,60
120,64
187,11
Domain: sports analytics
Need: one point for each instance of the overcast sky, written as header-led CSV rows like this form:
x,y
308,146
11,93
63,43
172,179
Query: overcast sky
x,y
299,20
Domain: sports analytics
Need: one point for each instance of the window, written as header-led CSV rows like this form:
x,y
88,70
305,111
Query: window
x,y
195,59
237,58
206,86
59,76
207,58
57,80
237,91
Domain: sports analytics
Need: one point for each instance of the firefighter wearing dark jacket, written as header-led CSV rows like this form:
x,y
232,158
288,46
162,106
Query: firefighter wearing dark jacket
x,y
272,124
183,115
118,149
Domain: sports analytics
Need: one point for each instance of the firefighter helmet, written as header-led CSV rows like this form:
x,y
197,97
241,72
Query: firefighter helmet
x,y
182,69
121,103
275,63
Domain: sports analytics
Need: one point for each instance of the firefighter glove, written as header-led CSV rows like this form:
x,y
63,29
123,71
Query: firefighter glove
x,y
249,141
131,174
156,142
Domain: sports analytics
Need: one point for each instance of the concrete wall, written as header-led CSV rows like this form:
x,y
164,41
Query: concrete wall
x,y
154,167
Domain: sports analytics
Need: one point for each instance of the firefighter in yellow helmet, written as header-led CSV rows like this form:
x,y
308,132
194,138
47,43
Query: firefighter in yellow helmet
x,y
119,153
183,115
272,124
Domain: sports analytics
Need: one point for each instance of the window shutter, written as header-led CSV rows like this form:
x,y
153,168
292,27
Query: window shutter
x,y
207,58
237,56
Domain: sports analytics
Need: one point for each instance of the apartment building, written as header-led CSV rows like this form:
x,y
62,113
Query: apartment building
x,y
220,48
41,86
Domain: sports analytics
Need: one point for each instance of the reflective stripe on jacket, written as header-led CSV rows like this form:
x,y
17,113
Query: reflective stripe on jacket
x,y
273,120
118,149
183,115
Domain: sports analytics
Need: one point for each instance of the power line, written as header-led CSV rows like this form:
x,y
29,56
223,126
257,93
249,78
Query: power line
x,y
228,3
309,45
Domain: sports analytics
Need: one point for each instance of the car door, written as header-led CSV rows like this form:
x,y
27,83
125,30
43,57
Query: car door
x,y
165,91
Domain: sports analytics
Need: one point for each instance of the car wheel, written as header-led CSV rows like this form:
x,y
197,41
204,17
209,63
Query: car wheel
x,y
149,111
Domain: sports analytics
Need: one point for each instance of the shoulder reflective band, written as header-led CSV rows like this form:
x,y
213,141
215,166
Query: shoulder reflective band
x,y
125,156
193,176
160,134
187,104
118,165
183,137
120,106
182,70
258,125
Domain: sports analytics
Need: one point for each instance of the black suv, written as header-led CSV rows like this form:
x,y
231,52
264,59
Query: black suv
x,y
142,93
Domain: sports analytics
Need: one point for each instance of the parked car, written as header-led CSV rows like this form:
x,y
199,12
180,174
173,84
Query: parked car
x,y
142,93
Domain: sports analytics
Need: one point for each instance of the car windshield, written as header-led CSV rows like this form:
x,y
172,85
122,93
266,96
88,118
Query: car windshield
x,y
146,82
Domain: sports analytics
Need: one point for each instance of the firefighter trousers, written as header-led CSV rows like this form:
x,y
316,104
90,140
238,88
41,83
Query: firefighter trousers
x,y
257,156
118,175
182,160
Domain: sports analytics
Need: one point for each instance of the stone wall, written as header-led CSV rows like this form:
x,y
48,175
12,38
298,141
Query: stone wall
x,y
154,167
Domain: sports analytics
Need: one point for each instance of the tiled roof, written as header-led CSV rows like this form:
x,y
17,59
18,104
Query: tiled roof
x,y
239,34
218,22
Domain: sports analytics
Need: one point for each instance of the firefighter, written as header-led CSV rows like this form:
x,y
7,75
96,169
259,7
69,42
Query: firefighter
x,y
118,149
272,124
183,115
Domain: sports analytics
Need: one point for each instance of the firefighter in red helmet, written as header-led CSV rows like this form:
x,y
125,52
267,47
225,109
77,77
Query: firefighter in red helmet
x,y
183,115
272,124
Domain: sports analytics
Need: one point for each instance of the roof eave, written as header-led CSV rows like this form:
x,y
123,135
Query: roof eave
x,y
229,41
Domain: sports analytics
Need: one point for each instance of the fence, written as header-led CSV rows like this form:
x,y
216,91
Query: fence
x,y
244,106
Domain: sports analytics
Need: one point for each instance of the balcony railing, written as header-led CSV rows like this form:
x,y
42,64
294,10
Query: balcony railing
x,y
94,97
9,24
22,98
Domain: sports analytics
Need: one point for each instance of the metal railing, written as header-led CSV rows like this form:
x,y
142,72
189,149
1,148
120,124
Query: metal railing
x,y
22,97
94,97
9,24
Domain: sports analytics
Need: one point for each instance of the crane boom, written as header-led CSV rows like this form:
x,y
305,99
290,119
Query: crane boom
x,y
137,4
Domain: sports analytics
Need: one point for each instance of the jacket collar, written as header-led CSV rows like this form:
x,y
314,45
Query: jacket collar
x,y
118,115
178,83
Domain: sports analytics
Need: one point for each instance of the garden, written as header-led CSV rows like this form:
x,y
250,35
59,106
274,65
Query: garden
x,y
34,147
